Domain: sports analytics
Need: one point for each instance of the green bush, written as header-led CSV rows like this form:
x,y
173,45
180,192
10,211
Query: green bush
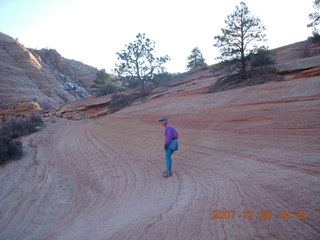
x,y
162,79
18,128
316,37
227,66
101,79
262,58
119,101
9,149
145,93
108,89
36,120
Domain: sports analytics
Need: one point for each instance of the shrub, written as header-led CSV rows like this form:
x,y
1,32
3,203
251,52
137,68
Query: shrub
x,y
119,101
14,128
145,93
225,83
306,47
108,89
259,76
36,120
101,79
316,37
9,149
226,66
162,79
262,58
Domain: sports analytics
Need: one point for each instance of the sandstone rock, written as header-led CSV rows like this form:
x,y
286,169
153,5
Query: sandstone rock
x,y
296,51
67,70
40,75
91,107
313,72
20,108
247,151
298,65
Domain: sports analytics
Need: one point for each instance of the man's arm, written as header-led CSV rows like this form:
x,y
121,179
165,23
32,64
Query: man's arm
x,y
168,135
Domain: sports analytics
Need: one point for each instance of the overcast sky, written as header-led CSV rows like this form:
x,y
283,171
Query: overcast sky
x,y
92,31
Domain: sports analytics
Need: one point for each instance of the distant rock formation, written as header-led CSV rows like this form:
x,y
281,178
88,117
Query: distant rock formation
x,y
43,76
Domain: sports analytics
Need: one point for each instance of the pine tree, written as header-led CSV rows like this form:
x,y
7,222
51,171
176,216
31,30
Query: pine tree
x,y
315,17
101,79
137,62
196,60
239,38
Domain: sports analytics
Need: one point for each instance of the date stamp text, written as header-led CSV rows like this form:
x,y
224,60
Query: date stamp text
x,y
267,214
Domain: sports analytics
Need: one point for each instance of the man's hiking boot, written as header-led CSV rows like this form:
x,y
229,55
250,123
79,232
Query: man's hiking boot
x,y
167,174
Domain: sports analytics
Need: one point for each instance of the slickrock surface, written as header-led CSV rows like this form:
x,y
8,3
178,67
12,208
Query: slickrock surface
x,y
247,149
297,50
40,75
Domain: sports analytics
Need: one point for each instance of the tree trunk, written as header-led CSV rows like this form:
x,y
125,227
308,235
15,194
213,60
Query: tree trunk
x,y
243,68
141,80
243,60
142,89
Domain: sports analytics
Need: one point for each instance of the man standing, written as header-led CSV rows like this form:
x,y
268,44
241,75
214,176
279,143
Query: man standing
x,y
170,144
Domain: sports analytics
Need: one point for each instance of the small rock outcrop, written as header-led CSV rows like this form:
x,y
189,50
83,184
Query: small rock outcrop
x,y
90,107
20,109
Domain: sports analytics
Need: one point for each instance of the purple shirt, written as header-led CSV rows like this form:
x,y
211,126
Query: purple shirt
x,y
169,133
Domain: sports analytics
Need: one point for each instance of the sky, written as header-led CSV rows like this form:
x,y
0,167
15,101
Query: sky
x,y
93,31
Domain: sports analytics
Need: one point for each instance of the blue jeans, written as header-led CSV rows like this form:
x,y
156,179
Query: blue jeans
x,y
168,159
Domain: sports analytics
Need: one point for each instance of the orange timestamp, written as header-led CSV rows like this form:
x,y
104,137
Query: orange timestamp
x,y
249,214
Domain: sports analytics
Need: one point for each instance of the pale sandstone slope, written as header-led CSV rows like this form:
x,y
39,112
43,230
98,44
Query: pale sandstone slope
x,y
254,148
41,75
246,149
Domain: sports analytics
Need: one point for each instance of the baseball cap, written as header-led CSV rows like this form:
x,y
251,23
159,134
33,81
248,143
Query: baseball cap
x,y
163,119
